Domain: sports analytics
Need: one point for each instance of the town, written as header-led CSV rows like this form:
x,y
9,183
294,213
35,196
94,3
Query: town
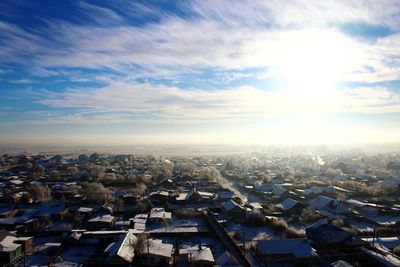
x,y
249,209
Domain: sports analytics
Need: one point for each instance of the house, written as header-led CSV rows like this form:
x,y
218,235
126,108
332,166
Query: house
x,y
23,223
234,210
139,221
103,210
196,256
255,206
166,184
12,247
121,252
278,191
225,195
159,197
84,211
323,203
296,250
157,253
129,199
159,215
325,234
104,222
54,210
364,208
195,196
290,206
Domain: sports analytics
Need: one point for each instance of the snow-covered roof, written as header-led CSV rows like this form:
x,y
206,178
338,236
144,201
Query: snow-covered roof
x,y
229,205
159,213
324,232
124,247
205,194
84,209
278,191
299,247
321,202
7,244
105,218
182,196
388,242
157,247
361,204
16,182
255,205
198,254
288,203
140,218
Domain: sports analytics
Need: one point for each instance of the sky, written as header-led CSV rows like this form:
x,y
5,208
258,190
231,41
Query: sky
x,y
199,72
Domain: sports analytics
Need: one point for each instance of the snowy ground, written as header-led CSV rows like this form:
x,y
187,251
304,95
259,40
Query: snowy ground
x,y
250,232
361,226
388,242
179,225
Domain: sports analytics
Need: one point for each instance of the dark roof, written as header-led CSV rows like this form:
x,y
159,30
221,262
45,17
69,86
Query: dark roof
x,y
326,233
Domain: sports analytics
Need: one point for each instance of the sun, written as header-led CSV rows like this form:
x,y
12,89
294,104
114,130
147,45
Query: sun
x,y
313,63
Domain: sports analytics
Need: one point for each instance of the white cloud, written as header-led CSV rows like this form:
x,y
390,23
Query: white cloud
x,y
126,102
238,34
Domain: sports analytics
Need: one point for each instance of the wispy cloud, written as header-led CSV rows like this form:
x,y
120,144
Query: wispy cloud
x,y
225,35
127,102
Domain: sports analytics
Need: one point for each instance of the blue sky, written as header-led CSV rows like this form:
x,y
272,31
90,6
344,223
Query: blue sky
x,y
199,72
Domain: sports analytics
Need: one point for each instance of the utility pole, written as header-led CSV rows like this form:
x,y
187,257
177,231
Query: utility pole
x,y
148,249
244,247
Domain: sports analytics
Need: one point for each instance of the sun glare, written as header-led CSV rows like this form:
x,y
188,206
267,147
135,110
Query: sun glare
x,y
312,65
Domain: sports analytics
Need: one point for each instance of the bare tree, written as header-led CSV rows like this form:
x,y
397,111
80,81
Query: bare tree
x,y
210,173
96,192
55,175
139,189
39,169
40,192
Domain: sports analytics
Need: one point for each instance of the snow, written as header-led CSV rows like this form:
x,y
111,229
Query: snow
x,y
384,220
387,259
123,247
194,254
250,233
84,209
105,218
361,226
7,244
159,213
157,247
388,242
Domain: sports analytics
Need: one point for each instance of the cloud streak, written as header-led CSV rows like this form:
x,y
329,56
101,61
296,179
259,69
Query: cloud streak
x,y
223,35
127,102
